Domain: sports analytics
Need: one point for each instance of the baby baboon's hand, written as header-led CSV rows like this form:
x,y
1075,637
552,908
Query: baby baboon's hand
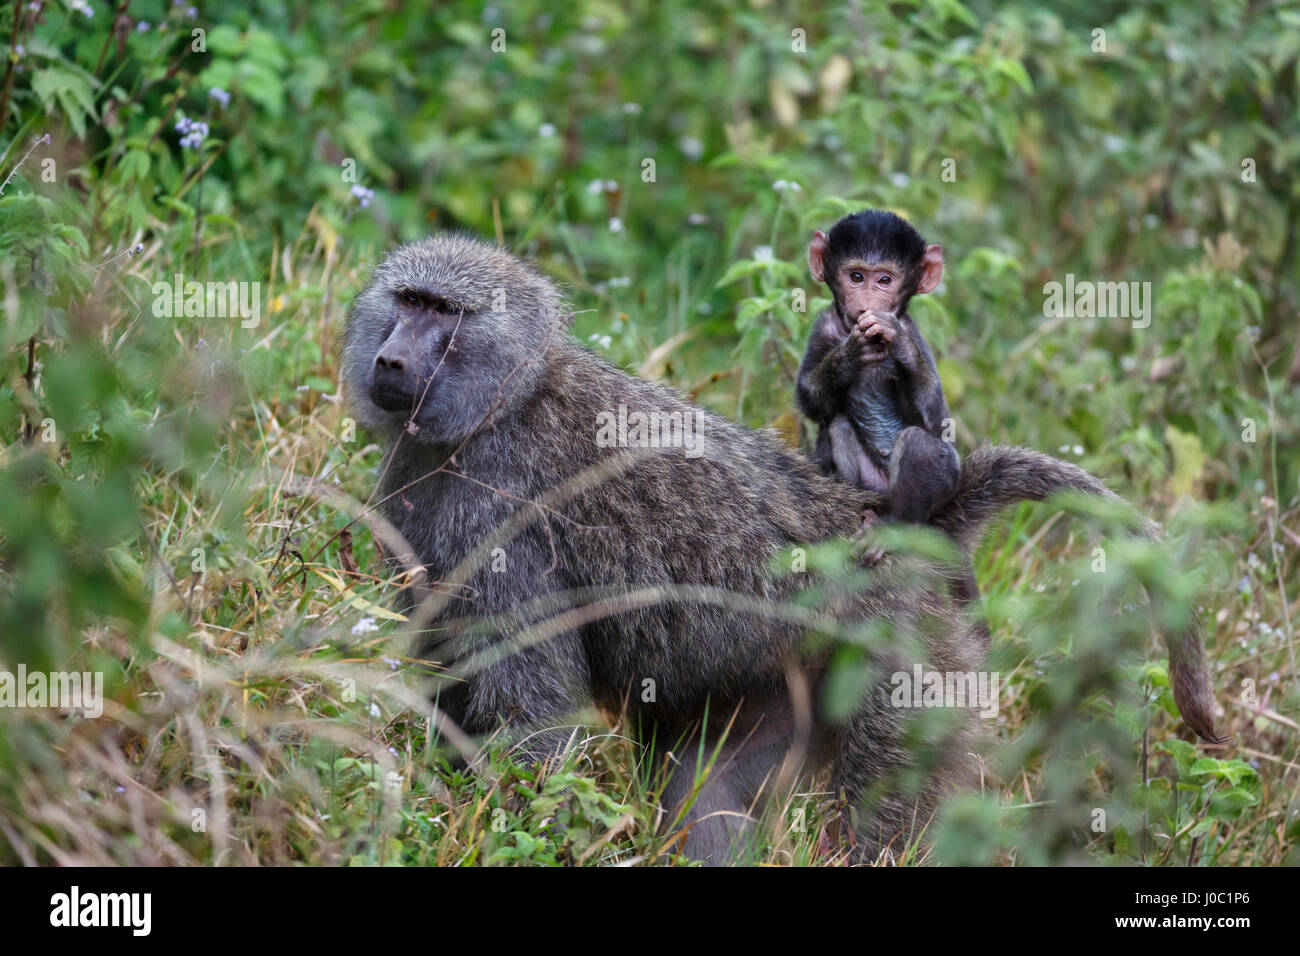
x,y
873,335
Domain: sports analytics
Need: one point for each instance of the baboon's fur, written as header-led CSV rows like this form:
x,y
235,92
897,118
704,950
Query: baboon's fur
x,y
510,420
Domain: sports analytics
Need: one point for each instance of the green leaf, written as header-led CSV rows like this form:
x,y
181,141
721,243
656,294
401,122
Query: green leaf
x,y
1015,71
70,90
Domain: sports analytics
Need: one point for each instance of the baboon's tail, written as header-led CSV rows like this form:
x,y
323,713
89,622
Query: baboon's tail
x,y
994,476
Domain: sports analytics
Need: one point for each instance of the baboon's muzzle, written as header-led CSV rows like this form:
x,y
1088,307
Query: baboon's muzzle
x,y
392,380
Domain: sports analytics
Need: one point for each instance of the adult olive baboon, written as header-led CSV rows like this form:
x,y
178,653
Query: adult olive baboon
x,y
591,537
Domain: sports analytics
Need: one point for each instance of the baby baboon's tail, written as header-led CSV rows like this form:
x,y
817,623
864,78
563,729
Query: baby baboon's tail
x,y
994,476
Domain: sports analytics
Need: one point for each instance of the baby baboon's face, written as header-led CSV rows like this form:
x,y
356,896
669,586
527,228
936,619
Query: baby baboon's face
x,y
444,326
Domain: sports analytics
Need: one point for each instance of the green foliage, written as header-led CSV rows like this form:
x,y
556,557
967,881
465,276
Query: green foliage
x,y
559,822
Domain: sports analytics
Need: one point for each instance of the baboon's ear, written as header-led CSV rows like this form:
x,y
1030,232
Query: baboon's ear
x,y
931,269
817,255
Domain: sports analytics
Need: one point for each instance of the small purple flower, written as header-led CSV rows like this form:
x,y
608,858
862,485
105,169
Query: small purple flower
x,y
220,95
192,12
142,26
82,7
194,132
363,194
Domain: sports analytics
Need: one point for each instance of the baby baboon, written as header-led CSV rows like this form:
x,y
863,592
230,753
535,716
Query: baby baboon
x,y
868,378
595,538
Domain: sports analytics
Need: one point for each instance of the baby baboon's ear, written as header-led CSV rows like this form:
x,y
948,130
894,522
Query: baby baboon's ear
x,y
817,255
931,269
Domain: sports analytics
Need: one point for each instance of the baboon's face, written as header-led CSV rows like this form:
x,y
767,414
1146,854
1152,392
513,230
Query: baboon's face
x,y
874,261
417,337
444,334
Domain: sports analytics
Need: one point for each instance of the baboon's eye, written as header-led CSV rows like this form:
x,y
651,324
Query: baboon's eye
x,y
855,277
412,299
885,279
